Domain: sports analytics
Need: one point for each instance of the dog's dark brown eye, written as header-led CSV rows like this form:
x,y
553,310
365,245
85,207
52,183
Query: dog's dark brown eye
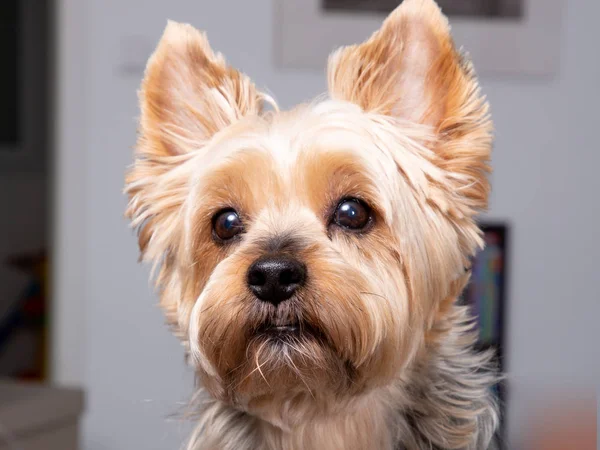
x,y
227,225
352,214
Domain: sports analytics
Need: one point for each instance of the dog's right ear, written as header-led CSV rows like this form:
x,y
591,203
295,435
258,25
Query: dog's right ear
x,y
188,94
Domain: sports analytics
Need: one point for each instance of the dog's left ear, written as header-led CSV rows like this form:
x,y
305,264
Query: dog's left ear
x,y
410,69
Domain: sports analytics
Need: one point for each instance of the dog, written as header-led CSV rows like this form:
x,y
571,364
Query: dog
x,y
311,260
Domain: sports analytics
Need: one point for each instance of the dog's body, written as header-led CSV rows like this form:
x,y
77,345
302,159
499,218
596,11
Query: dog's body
x,y
310,260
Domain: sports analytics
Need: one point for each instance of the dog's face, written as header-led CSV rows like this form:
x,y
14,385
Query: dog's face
x,y
316,250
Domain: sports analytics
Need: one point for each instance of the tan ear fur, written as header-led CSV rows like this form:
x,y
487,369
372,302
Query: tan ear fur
x,y
411,70
189,93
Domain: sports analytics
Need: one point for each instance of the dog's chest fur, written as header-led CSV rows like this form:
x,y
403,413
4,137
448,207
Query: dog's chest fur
x,y
441,405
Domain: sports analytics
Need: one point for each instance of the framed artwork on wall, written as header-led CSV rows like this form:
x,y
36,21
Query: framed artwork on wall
x,y
507,9
514,37
485,293
486,297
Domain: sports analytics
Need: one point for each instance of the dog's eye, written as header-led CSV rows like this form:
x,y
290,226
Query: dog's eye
x,y
226,225
352,214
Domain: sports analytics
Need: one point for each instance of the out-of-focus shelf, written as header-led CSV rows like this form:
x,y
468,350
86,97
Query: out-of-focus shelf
x,y
35,416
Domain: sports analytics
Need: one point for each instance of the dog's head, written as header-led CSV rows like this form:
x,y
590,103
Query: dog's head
x,y
315,250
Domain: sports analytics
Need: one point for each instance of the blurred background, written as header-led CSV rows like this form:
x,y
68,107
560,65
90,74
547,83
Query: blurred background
x,y
85,358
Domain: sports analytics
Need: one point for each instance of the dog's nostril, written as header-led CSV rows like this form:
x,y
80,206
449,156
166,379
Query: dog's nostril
x,y
290,276
256,278
275,278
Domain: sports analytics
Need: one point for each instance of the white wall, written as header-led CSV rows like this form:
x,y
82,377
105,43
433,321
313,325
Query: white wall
x,y
545,183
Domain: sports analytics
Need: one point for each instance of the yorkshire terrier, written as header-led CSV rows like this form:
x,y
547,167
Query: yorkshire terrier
x,y
311,260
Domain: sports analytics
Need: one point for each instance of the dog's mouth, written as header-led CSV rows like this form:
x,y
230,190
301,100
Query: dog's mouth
x,y
273,330
288,330
284,329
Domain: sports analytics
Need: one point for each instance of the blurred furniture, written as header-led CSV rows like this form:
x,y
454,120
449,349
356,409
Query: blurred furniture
x,y
24,325
36,417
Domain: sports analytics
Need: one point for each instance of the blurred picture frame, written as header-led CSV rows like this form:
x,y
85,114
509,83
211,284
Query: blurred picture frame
x,y
486,296
522,43
486,292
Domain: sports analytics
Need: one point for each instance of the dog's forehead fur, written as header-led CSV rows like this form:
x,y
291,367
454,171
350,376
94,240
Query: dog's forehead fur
x,y
286,155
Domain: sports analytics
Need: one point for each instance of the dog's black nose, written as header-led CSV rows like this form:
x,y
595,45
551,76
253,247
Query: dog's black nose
x,y
274,279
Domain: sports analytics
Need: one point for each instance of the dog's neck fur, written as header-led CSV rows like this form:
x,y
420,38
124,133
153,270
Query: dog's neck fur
x,y
440,404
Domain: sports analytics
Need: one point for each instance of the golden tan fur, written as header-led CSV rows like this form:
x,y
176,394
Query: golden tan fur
x,y
385,360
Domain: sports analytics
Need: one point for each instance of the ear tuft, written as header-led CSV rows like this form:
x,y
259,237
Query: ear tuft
x,y
410,70
189,93
402,68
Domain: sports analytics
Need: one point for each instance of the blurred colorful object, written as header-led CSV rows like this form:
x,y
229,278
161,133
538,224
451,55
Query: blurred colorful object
x,y
29,313
564,424
485,293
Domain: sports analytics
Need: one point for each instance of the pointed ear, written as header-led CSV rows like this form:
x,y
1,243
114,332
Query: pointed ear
x,y
411,70
188,94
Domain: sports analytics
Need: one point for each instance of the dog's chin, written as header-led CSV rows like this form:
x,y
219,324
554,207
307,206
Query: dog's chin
x,y
284,359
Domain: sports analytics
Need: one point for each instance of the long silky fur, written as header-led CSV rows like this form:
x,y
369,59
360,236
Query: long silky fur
x,y
389,360
445,402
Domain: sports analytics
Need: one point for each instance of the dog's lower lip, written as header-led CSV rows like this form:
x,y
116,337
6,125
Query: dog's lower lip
x,y
286,328
280,329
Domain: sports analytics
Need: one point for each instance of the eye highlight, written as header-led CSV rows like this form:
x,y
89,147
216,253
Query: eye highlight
x,y
352,214
226,225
